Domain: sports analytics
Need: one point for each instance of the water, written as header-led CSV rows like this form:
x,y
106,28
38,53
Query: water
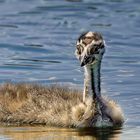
x,y
37,39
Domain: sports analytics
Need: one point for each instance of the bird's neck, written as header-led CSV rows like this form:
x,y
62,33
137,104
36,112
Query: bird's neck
x,y
92,79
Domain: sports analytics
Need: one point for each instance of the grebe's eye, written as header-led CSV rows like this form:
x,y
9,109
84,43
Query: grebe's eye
x,y
96,50
102,46
92,51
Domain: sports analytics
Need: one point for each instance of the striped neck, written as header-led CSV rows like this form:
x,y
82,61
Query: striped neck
x,y
95,79
92,84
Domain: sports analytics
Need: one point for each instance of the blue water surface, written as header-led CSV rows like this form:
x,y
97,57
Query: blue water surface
x,y
37,44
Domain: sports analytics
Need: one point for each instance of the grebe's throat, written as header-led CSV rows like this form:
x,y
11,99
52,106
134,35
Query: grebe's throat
x,y
95,79
92,80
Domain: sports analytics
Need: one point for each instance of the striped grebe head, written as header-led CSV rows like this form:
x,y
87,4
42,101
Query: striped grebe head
x,y
90,48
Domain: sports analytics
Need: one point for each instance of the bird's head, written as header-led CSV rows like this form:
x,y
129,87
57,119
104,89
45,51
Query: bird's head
x,y
90,48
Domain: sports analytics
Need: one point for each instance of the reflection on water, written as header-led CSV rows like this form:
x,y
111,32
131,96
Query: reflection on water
x,y
43,133
37,40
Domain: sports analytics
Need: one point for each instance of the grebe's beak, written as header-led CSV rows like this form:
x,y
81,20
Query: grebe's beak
x,y
86,59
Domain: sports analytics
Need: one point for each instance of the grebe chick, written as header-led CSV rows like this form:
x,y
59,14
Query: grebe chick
x,y
29,104
90,48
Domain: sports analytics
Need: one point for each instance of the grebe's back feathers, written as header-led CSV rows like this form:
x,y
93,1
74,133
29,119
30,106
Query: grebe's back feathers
x,y
53,105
